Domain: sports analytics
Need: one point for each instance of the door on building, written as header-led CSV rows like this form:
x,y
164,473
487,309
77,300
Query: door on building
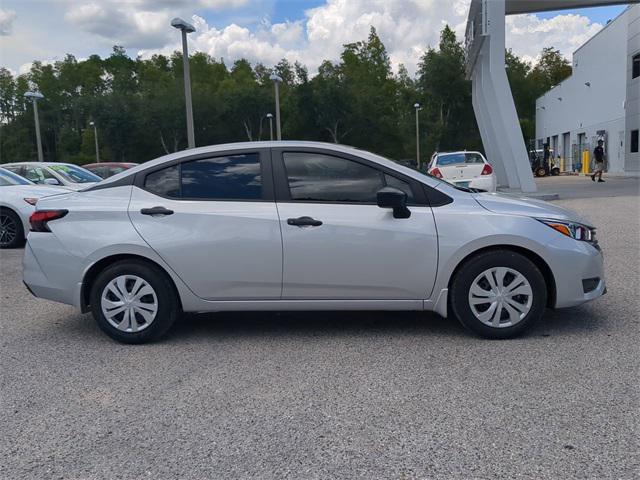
x,y
566,140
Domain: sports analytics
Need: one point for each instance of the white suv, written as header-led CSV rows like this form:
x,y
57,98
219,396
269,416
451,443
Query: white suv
x,y
303,226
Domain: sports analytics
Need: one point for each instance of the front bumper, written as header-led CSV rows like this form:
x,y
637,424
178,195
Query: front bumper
x,y
576,268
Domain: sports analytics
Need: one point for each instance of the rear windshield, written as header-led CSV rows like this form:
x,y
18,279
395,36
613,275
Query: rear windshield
x,y
75,174
459,158
9,178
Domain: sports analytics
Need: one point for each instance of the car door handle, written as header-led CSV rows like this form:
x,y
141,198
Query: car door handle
x,y
304,222
156,211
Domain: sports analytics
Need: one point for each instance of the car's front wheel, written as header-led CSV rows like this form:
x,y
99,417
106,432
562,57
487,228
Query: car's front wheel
x,y
134,302
498,294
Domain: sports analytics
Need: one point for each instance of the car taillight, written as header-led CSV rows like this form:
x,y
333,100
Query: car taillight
x,y
39,219
436,172
487,170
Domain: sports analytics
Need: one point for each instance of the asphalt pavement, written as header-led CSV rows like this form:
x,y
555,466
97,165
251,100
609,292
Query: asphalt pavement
x,y
330,395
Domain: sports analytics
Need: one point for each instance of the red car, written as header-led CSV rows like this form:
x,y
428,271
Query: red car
x,y
108,169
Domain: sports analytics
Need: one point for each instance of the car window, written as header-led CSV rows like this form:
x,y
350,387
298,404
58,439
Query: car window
x,y
165,182
37,174
325,178
233,177
111,171
7,178
473,158
75,174
399,184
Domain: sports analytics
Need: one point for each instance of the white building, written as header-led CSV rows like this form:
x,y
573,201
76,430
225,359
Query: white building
x,y
601,99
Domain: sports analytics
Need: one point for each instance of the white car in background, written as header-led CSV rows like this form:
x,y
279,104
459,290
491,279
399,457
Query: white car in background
x,y
464,169
54,173
18,197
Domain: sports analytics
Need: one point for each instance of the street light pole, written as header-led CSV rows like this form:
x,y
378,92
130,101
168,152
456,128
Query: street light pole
x,y
270,117
35,96
418,108
185,28
276,81
95,137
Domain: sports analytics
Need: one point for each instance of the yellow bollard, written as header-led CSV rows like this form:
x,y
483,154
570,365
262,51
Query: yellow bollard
x,y
562,164
586,166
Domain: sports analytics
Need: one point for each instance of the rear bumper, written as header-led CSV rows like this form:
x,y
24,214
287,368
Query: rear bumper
x,y
487,182
49,285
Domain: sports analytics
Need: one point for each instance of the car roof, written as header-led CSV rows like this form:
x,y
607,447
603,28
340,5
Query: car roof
x,y
42,164
108,164
458,151
225,147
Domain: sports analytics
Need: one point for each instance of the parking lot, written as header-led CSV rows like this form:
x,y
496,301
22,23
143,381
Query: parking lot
x,y
333,395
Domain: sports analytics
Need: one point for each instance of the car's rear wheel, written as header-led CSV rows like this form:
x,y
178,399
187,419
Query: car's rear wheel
x,y
134,302
498,294
11,231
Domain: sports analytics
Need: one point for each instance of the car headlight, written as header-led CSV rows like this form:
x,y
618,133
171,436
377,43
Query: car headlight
x,y
577,231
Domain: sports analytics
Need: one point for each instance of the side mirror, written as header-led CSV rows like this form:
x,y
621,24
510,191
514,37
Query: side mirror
x,y
51,181
390,197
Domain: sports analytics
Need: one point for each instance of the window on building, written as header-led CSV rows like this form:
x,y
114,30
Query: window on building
x,y
634,141
635,66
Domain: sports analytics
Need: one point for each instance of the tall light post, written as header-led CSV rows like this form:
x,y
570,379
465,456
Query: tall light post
x,y
277,81
35,96
95,137
417,108
185,28
270,117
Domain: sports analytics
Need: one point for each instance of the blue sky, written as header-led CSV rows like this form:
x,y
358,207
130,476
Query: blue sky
x,y
265,30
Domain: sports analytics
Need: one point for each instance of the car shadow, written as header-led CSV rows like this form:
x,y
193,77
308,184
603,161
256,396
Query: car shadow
x,y
312,324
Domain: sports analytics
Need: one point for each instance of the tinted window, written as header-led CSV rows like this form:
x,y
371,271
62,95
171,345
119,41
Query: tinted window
x,y
458,158
634,141
635,67
324,178
234,177
399,184
165,182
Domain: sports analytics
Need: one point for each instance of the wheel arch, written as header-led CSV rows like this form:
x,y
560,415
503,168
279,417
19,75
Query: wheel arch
x,y
536,259
94,270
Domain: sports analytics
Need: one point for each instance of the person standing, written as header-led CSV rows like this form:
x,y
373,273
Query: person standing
x,y
598,155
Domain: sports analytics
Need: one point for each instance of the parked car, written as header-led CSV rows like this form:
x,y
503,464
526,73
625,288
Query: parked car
x,y
108,169
304,226
54,173
464,169
18,197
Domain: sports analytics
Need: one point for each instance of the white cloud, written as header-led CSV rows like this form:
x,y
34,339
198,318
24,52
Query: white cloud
x,y
6,21
407,28
527,35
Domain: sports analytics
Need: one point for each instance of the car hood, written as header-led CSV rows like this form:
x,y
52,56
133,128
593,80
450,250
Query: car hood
x,y
525,206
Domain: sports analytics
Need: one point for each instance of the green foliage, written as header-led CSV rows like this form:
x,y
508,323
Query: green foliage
x,y
138,105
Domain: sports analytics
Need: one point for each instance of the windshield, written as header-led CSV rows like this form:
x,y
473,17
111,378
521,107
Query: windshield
x,y
458,158
9,178
75,174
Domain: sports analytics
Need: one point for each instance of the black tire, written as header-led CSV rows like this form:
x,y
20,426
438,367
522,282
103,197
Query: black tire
x,y
541,172
472,268
168,306
11,230
555,171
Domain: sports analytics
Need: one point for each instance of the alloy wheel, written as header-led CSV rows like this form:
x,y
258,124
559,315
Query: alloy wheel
x,y
129,303
500,297
8,230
